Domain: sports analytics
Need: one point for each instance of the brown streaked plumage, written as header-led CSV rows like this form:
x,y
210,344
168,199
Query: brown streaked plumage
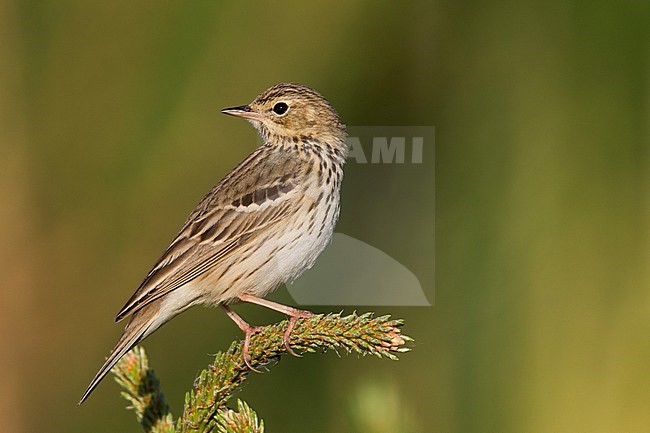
x,y
260,227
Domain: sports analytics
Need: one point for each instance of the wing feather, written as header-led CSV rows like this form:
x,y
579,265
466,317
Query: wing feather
x,y
228,218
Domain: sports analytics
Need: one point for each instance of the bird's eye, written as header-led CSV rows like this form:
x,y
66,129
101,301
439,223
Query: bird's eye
x,y
280,108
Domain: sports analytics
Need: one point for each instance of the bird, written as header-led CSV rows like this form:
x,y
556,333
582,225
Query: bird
x,y
260,227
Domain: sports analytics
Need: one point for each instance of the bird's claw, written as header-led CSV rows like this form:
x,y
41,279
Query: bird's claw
x,y
250,331
286,338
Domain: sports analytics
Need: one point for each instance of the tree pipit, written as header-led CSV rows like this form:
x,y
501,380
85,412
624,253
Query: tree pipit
x,y
260,227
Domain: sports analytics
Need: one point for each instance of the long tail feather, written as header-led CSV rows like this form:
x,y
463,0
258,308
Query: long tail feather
x,y
132,335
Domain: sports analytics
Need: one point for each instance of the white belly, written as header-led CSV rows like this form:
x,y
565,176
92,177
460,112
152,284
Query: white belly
x,y
296,250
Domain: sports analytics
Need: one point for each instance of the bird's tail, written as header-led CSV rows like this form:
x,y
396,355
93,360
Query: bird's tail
x,y
135,331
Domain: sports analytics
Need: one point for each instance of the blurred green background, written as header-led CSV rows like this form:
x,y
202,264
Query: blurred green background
x,y
109,134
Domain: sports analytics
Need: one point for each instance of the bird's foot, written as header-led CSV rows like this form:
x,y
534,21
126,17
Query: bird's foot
x,y
248,332
293,318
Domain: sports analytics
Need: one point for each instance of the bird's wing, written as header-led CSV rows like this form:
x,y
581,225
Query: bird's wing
x,y
254,197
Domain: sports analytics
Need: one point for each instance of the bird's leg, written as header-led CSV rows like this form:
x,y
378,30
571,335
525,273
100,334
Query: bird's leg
x,y
293,313
248,331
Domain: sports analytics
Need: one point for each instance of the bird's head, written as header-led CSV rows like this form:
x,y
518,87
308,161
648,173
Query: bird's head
x,y
289,110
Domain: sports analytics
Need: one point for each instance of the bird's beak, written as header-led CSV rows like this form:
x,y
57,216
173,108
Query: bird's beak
x,y
243,111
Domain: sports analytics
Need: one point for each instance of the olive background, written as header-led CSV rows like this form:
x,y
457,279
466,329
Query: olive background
x,y
110,133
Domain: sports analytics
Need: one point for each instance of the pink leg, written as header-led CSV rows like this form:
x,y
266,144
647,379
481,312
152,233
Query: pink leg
x,y
248,331
293,313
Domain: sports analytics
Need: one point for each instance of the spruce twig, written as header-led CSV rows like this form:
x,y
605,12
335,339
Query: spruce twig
x,y
205,404
244,421
142,389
